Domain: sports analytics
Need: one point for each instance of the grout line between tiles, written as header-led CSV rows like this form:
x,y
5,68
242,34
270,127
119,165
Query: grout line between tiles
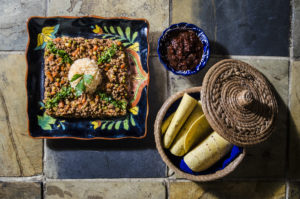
x,y
164,179
212,56
44,159
44,166
167,185
233,180
43,190
108,180
170,11
167,182
241,57
288,129
287,190
46,9
291,55
5,52
251,57
37,178
292,20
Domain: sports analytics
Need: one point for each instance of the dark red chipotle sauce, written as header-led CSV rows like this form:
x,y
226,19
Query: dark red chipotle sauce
x,y
183,50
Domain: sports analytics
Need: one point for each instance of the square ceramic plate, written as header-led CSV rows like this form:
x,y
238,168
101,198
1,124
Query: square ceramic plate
x,y
133,33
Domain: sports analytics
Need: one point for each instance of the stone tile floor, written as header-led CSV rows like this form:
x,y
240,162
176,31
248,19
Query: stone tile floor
x,y
264,34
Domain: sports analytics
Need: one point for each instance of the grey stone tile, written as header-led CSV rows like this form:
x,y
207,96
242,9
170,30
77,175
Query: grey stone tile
x,y
20,190
215,190
109,189
20,155
268,158
117,8
260,159
13,16
239,27
112,159
294,149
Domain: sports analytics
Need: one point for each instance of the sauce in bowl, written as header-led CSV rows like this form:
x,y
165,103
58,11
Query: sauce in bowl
x,y
183,50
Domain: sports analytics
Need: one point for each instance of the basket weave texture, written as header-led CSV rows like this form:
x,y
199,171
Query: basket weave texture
x,y
239,102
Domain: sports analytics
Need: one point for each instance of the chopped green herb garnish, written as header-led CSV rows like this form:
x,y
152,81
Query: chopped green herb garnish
x,y
76,76
107,54
63,54
62,94
118,104
80,87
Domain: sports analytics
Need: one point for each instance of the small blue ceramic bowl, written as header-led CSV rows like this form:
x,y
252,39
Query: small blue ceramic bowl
x,y
184,26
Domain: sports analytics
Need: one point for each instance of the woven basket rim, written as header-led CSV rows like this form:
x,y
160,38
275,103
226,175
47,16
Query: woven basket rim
x,y
212,116
159,145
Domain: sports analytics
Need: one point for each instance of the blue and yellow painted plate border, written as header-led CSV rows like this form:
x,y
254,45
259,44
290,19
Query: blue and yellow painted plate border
x,y
134,35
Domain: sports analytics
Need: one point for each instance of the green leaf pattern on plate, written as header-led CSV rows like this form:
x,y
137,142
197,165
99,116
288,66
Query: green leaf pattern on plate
x,y
103,126
126,123
112,30
110,126
132,120
45,121
105,29
117,126
128,33
117,33
120,31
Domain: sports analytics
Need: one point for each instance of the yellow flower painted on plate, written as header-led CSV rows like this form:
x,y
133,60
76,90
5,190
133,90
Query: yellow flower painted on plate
x,y
98,30
135,46
134,110
96,124
47,34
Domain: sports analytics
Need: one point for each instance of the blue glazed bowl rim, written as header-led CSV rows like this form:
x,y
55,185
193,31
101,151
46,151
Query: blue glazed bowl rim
x,y
205,54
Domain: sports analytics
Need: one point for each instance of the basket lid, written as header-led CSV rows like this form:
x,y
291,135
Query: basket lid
x,y
238,102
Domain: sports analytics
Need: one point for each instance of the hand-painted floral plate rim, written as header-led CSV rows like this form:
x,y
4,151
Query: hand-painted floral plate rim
x,y
134,35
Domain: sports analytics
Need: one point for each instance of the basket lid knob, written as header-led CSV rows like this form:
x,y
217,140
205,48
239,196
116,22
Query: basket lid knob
x,y
245,98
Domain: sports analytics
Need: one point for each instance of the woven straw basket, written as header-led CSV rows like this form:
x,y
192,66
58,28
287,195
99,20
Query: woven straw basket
x,y
239,104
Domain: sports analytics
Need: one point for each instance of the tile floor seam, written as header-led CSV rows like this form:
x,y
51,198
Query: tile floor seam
x,y
43,192
283,180
37,178
251,57
155,55
291,53
167,188
44,165
170,11
107,180
240,56
287,190
292,20
288,130
46,7
9,52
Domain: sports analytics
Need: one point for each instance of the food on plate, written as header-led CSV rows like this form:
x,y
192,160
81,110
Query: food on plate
x,y
85,71
85,78
166,123
208,152
183,49
177,148
183,111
